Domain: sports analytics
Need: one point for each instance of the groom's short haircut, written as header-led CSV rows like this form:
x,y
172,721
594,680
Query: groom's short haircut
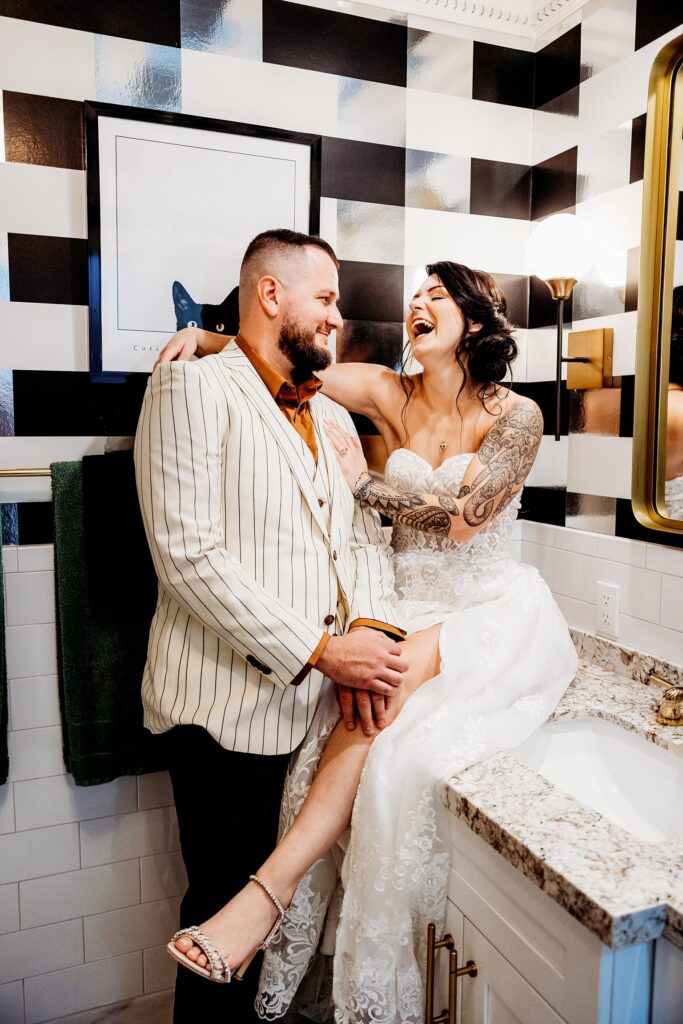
x,y
271,248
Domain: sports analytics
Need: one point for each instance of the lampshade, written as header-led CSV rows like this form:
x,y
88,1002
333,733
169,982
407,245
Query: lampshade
x,y
560,247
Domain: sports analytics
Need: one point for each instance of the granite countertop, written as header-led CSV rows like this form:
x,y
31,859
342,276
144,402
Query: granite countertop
x,y
622,888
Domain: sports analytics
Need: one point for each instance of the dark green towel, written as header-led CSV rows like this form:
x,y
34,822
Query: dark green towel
x,y
4,759
101,651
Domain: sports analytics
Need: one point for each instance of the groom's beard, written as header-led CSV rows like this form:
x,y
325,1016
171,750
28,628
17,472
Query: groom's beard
x,y
298,344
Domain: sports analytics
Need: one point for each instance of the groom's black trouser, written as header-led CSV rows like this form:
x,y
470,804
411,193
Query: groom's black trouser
x,y
228,806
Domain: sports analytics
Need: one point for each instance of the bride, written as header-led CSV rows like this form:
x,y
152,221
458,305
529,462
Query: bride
x,y
489,653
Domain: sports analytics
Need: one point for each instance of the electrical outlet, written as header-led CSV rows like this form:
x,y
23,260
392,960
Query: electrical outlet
x,y
607,610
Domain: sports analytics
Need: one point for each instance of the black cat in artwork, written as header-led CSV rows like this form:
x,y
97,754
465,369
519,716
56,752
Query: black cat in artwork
x,y
221,319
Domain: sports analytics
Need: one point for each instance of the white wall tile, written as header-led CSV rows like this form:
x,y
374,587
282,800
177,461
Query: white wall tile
x,y
550,467
541,345
52,996
39,950
46,60
154,790
370,231
256,93
614,218
54,336
639,589
140,834
54,801
499,243
29,598
6,808
35,753
462,127
664,559
9,551
560,569
42,200
31,650
35,557
74,894
34,703
672,605
604,162
9,909
440,63
600,465
617,94
12,1002
580,541
539,533
370,112
42,851
162,876
554,131
620,549
651,638
160,969
123,931
607,34
579,614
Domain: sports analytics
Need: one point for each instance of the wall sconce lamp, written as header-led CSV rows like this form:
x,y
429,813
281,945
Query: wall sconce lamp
x,y
560,254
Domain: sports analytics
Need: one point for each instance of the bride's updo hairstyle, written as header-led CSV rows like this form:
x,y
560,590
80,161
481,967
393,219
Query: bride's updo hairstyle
x,y
484,356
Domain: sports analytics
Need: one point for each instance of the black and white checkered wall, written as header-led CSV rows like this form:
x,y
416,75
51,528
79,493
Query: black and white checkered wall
x,y
435,146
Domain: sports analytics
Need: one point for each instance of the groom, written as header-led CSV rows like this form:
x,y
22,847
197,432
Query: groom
x,y
270,578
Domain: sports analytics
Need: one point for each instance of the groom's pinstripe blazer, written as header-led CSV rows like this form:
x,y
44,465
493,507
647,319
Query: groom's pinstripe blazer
x,y
257,553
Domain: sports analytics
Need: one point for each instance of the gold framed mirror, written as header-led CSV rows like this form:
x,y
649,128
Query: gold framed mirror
x,y
657,487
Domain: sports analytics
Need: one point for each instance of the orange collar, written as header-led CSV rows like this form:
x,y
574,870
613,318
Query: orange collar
x,y
280,388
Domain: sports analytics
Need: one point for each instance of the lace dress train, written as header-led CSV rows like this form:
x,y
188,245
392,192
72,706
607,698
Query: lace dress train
x,y
506,659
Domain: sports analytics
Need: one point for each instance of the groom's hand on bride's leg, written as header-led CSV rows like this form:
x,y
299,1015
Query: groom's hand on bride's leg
x,y
371,709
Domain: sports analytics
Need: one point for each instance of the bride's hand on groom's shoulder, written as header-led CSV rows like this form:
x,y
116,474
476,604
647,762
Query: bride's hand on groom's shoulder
x,y
190,341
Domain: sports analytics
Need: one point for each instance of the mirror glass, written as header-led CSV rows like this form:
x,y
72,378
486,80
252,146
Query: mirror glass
x,y
673,479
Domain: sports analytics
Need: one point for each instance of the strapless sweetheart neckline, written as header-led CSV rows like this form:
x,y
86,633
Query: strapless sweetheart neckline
x,y
434,469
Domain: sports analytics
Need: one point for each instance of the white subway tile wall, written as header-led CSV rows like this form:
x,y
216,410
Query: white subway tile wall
x,y
90,877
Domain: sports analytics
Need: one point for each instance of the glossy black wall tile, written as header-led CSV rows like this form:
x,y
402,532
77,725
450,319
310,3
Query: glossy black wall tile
x,y
44,268
654,18
542,306
558,67
43,130
542,392
553,185
626,412
544,505
35,523
363,171
637,148
371,291
503,75
65,404
500,189
516,290
339,44
368,341
155,21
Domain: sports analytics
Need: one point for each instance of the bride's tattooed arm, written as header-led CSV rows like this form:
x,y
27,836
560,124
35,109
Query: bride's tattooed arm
x,y
507,454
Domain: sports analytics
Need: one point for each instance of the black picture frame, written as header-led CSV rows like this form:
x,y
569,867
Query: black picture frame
x,y
92,113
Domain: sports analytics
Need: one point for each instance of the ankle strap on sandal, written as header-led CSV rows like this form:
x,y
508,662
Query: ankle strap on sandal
x,y
269,892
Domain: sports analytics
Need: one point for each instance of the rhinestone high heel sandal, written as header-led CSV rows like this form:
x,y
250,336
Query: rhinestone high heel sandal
x,y
219,969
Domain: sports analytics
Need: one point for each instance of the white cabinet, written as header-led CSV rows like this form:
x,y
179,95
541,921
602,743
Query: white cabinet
x,y
536,963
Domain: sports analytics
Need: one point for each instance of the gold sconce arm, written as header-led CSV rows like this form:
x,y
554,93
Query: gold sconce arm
x,y
454,972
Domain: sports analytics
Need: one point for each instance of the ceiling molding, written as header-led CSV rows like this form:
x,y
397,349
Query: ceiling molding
x,y
527,19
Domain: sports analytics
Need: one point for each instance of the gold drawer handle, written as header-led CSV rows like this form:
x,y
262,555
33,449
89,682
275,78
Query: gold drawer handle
x,y
470,968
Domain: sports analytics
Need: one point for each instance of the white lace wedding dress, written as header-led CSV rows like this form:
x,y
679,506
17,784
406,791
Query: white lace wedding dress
x,y
506,659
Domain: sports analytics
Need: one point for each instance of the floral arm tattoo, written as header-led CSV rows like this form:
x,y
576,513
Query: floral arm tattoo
x,y
507,452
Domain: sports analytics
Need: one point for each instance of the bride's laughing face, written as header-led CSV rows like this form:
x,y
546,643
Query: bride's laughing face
x,y
435,323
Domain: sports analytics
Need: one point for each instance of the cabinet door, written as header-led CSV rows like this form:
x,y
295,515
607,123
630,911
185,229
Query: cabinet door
x,y
498,994
454,926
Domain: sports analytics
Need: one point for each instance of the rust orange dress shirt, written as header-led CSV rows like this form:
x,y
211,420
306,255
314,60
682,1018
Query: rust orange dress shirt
x,y
292,400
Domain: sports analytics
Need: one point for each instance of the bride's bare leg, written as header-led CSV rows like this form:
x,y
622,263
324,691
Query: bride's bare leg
x,y
324,816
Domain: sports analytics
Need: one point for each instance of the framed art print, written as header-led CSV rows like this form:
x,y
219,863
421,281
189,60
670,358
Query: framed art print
x,y
173,201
